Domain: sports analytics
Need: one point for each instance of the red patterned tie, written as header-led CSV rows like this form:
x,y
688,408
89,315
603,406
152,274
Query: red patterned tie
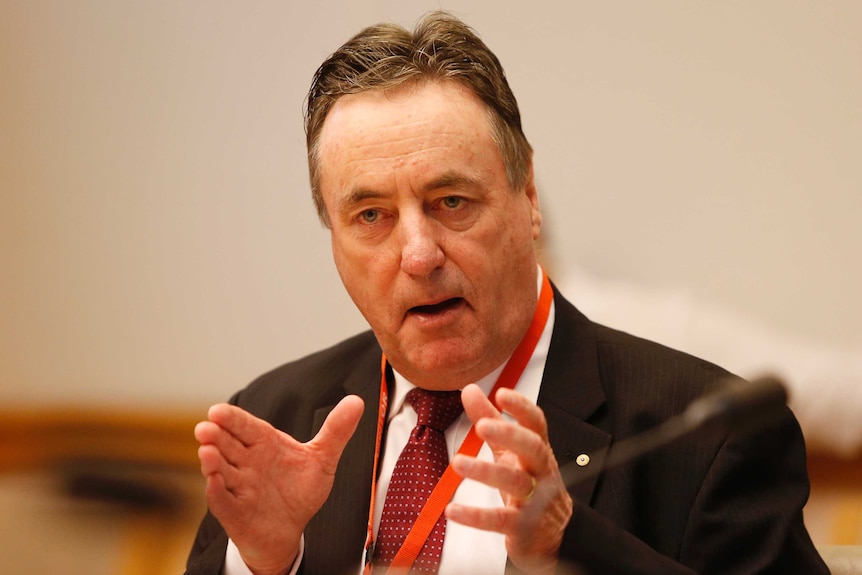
x,y
416,473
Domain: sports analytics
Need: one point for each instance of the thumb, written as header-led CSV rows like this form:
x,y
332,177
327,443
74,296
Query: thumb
x,y
339,427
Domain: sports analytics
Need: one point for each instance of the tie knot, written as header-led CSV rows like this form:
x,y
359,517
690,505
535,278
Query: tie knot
x,y
435,409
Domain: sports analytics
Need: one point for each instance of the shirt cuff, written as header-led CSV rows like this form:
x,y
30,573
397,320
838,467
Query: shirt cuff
x,y
234,564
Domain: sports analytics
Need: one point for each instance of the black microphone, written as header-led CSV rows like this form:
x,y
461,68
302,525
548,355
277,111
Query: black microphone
x,y
739,403
735,405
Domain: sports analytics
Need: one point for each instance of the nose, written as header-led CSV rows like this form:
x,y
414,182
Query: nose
x,y
421,252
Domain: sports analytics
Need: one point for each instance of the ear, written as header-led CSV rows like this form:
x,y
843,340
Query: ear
x,y
533,197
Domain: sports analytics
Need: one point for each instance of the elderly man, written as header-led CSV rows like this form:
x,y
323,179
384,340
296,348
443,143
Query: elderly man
x,y
360,458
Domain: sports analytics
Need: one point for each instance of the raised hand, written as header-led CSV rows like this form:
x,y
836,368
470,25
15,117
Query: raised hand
x,y
264,486
537,506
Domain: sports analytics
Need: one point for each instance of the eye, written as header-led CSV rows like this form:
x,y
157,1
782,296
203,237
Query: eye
x,y
452,202
369,216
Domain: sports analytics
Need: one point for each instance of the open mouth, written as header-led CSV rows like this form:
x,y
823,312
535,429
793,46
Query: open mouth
x,y
436,308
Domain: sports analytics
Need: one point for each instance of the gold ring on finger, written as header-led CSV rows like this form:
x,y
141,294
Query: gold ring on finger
x,y
532,492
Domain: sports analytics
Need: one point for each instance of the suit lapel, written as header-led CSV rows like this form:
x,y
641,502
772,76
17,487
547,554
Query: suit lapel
x,y
573,399
344,516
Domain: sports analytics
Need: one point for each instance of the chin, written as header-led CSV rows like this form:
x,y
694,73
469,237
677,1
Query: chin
x,y
444,367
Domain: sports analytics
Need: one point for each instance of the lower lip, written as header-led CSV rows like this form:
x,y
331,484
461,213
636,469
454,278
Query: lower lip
x,y
436,319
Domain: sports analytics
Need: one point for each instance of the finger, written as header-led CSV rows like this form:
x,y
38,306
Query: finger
x,y
513,481
476,404
498,519
339,427
245,427
210,434
523,410
211,460
526,445
220,500
206,432
212,463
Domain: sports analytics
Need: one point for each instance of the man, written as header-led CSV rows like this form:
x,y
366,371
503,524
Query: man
x,y
421,171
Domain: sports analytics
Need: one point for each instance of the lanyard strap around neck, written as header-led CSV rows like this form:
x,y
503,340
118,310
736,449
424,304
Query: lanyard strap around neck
x,y
449,482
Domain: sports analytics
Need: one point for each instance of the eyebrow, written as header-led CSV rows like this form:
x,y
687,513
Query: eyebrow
x,y
357,196
452,180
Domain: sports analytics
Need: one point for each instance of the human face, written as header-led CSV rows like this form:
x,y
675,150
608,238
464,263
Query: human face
x,y
432,244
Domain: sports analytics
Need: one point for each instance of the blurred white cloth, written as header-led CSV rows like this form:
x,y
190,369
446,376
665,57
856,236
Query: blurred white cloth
x,y
824,382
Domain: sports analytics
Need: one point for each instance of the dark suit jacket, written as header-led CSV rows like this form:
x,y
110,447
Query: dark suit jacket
x,y
714,503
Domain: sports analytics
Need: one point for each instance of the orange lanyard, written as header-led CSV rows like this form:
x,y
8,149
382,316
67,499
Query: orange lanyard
x,y
449,482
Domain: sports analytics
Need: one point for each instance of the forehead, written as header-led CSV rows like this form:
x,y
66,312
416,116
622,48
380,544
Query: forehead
x,y
413,118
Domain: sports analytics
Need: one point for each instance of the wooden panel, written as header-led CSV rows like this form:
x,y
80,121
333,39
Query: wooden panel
x,y
132,475
834,511
44,437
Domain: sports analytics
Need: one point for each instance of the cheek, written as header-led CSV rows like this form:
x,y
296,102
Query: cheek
x,y
362,271
345,263
514,237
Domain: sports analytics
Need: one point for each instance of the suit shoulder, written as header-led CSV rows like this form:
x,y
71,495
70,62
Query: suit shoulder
x,y
315,379
347,355
625,347
653,377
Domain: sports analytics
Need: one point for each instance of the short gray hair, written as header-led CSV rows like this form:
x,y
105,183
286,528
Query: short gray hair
x,y
441,47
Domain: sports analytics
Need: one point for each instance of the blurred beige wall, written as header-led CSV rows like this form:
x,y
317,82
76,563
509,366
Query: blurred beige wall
x,y
157,241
